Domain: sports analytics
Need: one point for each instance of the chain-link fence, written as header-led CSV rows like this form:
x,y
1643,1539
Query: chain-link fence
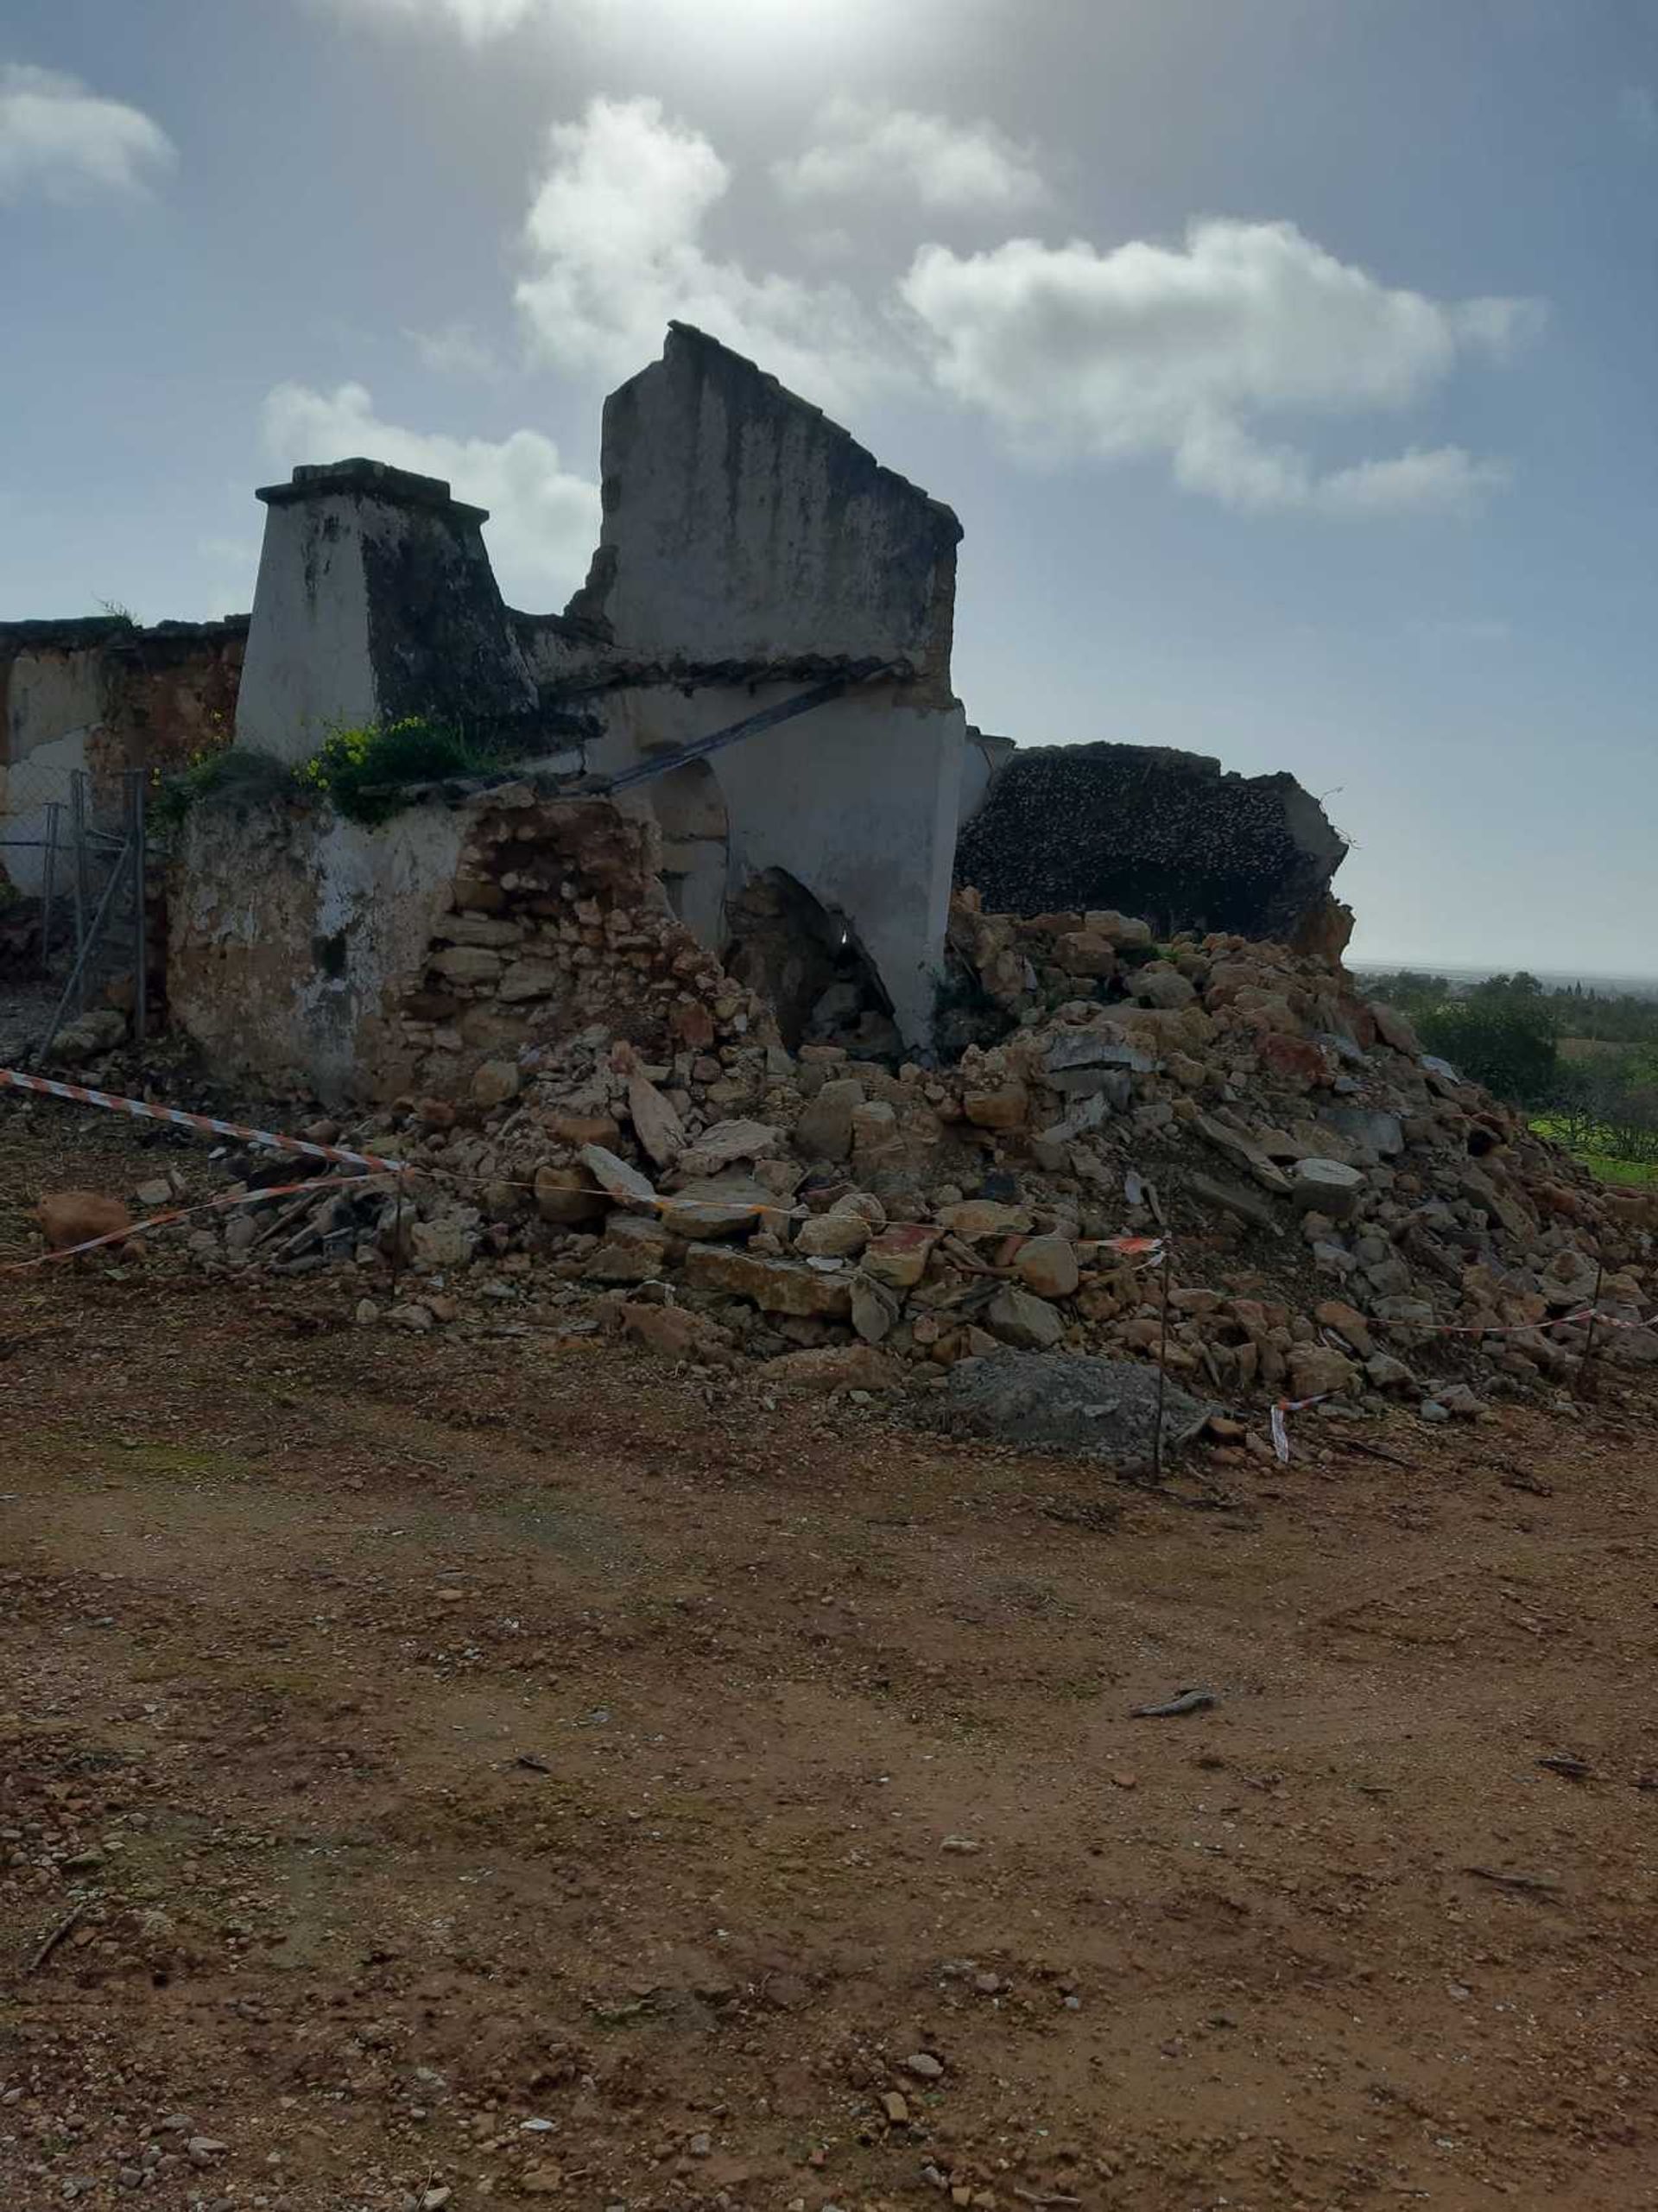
x,y
72,916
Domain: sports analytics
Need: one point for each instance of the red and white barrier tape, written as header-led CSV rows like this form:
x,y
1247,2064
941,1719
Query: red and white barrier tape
x,y
218,1205
203,1124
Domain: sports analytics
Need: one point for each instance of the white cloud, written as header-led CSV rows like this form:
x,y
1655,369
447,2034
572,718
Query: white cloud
x,y
615,237
1216,455
1637,111
457,350
65,143
1151,350
864,148
543,521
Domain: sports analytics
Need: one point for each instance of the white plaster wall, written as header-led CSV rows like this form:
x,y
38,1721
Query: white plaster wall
x,y
263,904
308,668
26,790
983,760
857,800
52,695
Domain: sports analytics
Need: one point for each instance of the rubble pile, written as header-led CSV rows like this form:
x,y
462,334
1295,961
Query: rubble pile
x,y
1335,1215
557,919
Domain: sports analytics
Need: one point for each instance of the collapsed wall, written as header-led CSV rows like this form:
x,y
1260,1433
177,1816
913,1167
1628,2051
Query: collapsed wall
x,y
751,546
1157,833
440,954
105,695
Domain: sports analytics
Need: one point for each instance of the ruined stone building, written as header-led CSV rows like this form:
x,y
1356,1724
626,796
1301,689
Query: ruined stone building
x,y
755,564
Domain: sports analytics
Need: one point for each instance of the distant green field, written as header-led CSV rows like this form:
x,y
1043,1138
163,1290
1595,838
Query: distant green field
x,y
1642,1174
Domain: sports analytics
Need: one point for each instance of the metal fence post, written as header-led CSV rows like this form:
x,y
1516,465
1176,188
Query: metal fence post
x,y
49,882
77,829
140,916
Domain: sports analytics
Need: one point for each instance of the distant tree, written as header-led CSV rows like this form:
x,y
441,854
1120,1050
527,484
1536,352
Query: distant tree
x,y
1505,1042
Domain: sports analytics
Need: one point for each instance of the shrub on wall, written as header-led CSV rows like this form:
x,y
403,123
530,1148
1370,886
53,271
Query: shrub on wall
x,y
363,771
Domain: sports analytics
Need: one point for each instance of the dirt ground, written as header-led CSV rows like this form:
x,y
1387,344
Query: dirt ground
x,y
491,1769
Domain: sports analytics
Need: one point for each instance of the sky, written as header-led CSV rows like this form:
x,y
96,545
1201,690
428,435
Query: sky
x,y
1289,365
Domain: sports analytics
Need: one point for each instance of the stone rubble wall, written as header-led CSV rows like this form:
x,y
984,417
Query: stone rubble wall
x,y
1158,833
1348,1221
103,695
436,953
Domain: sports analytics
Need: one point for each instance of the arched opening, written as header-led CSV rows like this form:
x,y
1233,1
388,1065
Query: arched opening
x,y
805,958
690,809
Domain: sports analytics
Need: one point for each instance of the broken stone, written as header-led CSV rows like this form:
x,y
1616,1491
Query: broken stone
x,y
824,1131
1316,1371
617,1179
875,1309
776,1286
468,963
1081,953
1048,1266
658,1129
1326,1186
1125,931
1004,1108
1027,1322
76,1217
1347,1323
835,1367
898,1255
1392,1028
673,1334
1159,985
567,1197
449,1242
494,1082
527,979
1375,1132
719,1205
975,1219
728,1141
831,1236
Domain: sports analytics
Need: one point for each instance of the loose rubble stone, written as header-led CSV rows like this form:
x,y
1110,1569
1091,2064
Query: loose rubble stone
x,y
898,1257
824,1130
76,1217
718,1206
494,1082
1005,1107
1027,1322
835,1367
831,1236
1158,984
1048,1266
674,1333
776,1286
568,1196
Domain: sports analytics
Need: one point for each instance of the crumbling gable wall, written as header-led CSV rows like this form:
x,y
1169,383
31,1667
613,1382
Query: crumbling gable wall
x,y
749,547
741,526
1154,832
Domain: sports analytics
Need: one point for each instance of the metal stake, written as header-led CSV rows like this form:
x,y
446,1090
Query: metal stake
x,y
1162,1366
1589,1340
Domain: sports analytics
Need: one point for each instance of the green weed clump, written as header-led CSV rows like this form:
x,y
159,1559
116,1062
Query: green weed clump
x,y
232,776
364,771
